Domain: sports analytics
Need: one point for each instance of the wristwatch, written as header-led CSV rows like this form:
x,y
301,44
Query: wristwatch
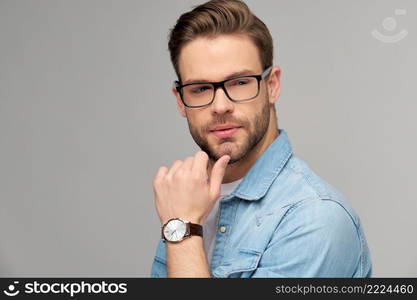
x,y
176,230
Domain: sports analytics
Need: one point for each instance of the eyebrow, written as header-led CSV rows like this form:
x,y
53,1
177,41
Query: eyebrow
x,y
232,75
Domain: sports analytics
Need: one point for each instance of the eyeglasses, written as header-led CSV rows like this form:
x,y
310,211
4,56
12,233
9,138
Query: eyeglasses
x,y
237,89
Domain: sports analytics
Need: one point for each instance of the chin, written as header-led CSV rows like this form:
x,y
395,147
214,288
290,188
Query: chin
x,y
230,149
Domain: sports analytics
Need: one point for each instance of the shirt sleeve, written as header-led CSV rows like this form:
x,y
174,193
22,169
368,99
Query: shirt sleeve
x,y
315,238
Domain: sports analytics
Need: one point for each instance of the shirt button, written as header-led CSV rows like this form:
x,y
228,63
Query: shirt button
x,y
222,229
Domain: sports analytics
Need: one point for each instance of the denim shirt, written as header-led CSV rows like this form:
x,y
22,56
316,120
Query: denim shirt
x,y
283,220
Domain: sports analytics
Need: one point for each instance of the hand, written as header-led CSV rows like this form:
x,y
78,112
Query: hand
x,y
184,192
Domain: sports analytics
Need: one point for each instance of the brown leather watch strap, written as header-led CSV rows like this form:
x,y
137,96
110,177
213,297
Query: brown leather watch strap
x,y
196,229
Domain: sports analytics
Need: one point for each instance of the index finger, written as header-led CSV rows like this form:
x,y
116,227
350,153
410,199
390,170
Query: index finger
x,y
200,163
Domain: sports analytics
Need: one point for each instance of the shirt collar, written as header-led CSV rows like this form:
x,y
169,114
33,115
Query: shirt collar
x,y
266,168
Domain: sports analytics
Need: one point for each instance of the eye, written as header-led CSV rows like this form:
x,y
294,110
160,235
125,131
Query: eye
x,y
200,89
240,82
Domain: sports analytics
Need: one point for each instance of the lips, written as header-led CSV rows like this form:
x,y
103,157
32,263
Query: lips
x,y
225,131
224,127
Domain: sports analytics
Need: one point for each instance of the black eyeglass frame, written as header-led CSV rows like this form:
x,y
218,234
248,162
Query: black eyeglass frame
x,y
220,84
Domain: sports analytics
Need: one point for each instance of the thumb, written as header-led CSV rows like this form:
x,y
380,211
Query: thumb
x,y
217,174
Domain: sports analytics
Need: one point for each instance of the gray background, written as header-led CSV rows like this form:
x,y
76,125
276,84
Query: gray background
x,y
87,117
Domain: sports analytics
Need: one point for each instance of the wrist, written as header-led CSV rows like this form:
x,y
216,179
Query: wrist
x,y
176,230
192,241
193,220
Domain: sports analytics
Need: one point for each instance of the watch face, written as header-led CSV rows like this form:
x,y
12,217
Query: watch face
x,y
175,230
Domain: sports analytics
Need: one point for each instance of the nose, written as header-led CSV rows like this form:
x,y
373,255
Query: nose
x,y
221,103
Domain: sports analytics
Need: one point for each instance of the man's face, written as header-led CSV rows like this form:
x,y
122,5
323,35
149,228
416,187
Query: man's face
x,y
215,60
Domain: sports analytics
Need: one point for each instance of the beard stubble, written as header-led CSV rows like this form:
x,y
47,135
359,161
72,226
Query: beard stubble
x,y
256,131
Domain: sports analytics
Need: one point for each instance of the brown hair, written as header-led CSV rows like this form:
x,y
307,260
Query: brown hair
x,y
220,17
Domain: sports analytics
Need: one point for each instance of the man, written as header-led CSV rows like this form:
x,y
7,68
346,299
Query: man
x,y
244,206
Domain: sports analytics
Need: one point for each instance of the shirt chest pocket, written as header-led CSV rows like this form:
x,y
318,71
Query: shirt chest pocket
x,y
238,265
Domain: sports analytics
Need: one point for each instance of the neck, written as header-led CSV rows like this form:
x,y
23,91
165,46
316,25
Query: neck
x,y
239,169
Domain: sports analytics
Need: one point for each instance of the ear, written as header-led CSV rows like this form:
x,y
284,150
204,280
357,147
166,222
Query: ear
x,y
274,84
180,105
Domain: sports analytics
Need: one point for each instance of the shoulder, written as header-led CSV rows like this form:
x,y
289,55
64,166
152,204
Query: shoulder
x,y
317,222
299,188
